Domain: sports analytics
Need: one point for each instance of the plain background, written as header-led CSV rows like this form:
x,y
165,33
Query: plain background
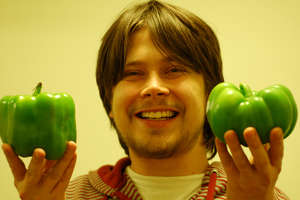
x,y
56,42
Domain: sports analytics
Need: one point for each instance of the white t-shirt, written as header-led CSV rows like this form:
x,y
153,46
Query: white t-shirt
x,y
162,188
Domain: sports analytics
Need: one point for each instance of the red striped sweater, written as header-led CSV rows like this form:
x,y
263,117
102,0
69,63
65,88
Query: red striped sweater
x,y
110,182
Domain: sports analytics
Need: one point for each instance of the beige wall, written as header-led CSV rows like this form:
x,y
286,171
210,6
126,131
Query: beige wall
x,y
56,42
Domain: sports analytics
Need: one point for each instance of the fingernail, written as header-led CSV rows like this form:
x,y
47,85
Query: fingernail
x,y
250,135
38,153
228,133
71,142
249,129
5,146
71,147
278,129
277,132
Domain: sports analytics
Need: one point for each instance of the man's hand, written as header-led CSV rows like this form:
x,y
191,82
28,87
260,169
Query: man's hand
x,y
246,180
44,179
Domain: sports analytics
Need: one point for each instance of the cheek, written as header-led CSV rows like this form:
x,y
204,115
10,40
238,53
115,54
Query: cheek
x,y
123,97
194,98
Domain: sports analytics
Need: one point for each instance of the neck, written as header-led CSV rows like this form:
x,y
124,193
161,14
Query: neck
x,y
192,162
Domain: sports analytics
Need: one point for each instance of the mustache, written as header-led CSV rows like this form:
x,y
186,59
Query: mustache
x,y
149,104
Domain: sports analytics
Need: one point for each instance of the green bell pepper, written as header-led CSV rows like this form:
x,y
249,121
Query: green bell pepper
x,y
41,120
233,108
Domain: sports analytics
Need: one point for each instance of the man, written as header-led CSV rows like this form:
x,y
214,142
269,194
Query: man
x,y
156,67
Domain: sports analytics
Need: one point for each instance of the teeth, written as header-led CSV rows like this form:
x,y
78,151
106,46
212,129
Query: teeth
x,y
158,115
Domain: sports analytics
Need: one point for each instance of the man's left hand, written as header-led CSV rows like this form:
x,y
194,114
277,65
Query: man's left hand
x,y
251,180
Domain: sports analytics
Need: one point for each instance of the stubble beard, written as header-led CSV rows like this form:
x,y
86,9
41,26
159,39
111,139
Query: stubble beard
x,y
158,147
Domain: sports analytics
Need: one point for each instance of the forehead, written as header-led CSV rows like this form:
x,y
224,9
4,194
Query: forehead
x,y
140,42
142,49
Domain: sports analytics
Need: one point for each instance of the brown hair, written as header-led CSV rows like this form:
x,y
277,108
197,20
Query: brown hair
x,y
177,32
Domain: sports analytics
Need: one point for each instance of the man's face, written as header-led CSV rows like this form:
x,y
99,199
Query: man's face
x,y
159,105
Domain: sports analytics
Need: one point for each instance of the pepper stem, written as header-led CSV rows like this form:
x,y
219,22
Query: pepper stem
x,y
37,89
246,90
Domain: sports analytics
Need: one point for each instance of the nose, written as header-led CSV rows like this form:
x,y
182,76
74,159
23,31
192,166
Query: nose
x,y
155,87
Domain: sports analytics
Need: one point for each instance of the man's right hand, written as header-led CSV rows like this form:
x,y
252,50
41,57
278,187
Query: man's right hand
x,y
44,179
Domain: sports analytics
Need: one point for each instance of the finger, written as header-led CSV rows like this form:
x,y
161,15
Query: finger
x,y
257,149
55,173
35,168
226,158
16,165
267,148
239,157
48,165
64,182
277,149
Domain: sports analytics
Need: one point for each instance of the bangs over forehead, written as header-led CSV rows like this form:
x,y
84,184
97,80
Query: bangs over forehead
x,y
179,34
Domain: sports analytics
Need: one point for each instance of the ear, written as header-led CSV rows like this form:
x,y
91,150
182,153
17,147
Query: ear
x,y
111,115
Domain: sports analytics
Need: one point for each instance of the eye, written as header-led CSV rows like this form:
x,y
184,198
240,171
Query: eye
x,y
176,69
132,74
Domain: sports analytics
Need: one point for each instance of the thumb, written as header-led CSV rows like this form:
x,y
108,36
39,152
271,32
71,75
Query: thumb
x,y
16,165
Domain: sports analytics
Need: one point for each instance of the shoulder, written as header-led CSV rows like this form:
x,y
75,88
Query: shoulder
x,y
82,187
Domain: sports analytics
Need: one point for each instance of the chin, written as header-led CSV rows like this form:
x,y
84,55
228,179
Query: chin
x,y
156,149
155,154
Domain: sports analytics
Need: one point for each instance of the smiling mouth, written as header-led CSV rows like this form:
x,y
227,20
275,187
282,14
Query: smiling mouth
x,y
160,115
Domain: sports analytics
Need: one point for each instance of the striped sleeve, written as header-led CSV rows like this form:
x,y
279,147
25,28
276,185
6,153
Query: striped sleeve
x,y
279,195
80,188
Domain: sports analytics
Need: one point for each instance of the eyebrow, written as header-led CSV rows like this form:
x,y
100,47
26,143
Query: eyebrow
x,y
134,63
140,62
